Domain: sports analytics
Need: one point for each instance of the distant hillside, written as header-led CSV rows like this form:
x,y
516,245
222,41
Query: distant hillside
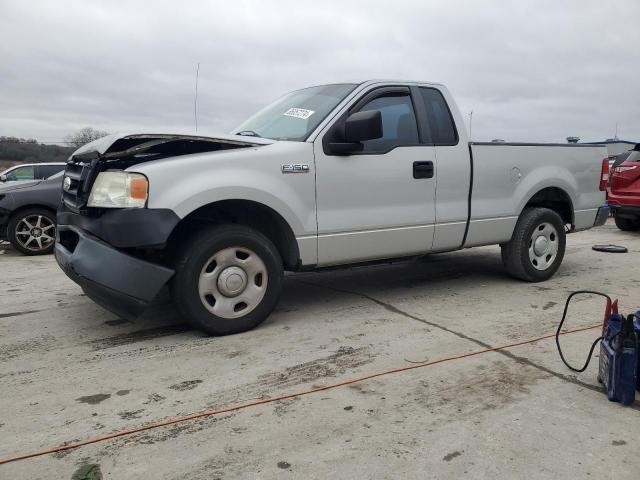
x,y
19,150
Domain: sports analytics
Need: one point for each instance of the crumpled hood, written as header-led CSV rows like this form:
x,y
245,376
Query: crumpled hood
x,y
118,142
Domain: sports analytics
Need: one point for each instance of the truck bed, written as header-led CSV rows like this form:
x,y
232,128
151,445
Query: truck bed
x,y
505,176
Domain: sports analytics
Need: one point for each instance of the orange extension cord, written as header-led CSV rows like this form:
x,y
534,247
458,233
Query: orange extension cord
x,y
240,406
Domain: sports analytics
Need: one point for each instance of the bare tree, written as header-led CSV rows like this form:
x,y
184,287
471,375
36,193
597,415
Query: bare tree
x,y
84,136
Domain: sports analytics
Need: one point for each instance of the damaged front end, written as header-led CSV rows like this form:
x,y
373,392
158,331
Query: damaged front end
x,y
119,152
117,255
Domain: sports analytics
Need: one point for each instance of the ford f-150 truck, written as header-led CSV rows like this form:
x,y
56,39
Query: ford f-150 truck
x,y
328,175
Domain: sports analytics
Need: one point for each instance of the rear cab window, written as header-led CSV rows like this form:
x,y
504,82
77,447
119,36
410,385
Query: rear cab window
x,y
441,125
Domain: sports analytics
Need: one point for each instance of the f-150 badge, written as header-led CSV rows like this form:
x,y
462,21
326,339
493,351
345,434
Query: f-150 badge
x,y
295,168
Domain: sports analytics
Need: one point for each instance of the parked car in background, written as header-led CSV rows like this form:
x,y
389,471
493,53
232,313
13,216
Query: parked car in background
x,y
28,214
623,192
618,159
31,171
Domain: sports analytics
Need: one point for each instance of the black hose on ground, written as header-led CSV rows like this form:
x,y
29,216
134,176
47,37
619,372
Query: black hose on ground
x,y
564,316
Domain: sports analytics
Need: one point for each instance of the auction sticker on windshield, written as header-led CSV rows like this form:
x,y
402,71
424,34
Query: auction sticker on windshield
x,y
299,113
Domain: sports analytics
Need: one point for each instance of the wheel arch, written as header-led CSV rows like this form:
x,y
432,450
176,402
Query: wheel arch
x,y
556,199
15,212
241,212
22,208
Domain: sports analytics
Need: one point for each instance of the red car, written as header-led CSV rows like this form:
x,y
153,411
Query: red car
x,y
623,192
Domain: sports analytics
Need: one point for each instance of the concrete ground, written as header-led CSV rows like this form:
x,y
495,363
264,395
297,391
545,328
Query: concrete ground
x,y
70,370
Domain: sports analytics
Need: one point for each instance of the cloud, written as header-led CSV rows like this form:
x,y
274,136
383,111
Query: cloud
x,y
533,70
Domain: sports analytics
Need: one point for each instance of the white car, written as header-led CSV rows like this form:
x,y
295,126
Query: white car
x,y
31,171
328,175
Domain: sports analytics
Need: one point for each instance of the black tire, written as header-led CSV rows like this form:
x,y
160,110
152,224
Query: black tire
x,y
627,224
196,258
515,253
22,242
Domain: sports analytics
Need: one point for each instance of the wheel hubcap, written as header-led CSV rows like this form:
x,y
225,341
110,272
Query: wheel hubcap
x,y
232,282
35,232
543,246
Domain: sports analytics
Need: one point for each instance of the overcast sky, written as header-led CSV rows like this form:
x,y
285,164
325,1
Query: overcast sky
x,y
530,70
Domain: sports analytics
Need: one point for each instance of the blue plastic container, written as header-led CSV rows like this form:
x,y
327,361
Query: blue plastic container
x,y
636,325
618,370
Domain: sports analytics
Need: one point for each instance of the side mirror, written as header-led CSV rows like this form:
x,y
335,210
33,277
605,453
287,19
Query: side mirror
x,y
358,127
3,178
362,126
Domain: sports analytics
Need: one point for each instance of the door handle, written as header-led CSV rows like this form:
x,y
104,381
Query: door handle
x,y
422,169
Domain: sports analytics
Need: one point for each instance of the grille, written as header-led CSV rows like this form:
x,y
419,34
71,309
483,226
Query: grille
x,y
81,176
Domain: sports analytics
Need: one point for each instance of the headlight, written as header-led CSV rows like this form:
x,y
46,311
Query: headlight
x,y
118,189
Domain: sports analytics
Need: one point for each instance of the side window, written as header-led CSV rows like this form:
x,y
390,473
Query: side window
x,y
399,127
47,170
443,131
20,173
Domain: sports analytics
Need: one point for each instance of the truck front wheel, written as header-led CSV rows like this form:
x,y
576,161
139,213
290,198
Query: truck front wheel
x,y
537,245
228,279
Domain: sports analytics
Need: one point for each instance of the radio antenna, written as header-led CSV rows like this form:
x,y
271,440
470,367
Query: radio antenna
x,y
195,99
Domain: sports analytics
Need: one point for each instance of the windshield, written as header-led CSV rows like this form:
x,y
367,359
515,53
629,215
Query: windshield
x,y
297,114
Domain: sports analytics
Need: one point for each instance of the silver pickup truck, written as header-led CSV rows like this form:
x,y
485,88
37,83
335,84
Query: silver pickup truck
x,y
328,175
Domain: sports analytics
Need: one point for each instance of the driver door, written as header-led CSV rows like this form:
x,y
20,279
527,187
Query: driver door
x,y
379,202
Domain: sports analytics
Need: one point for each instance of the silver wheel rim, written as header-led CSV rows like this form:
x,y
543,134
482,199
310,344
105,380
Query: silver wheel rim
x,y
35,232
232,282
543,246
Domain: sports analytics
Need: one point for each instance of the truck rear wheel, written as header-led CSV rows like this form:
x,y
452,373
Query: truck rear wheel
x,y
627,224
228,279
536,248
